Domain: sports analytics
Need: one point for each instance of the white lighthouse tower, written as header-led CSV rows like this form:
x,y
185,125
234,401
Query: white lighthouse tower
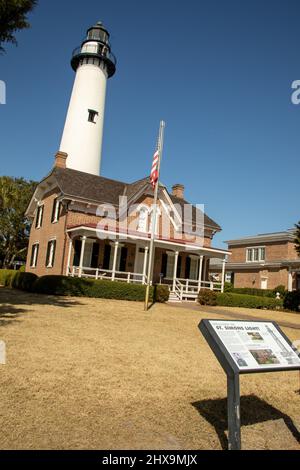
x,y
93,63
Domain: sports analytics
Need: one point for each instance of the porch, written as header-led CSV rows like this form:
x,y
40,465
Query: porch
x,y
184,268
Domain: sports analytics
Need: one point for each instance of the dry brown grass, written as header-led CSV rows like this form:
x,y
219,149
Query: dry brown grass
x,y
97,374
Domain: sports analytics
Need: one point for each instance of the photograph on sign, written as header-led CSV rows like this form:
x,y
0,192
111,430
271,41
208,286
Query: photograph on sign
x,y
255,345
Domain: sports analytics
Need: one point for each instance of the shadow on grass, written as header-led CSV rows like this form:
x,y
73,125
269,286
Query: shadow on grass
x,y
9,314
11,297
253,411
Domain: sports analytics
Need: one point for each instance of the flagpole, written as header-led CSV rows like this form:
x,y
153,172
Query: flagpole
x,y
152,247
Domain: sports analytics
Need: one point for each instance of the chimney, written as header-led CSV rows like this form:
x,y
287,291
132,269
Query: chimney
x,y
60,160
178,191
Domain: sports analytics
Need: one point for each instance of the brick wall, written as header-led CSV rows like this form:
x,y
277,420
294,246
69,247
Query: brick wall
x,y
73,217
42,236
249,278
274,251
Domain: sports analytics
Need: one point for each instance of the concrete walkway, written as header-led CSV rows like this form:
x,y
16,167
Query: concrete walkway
x,y
227,312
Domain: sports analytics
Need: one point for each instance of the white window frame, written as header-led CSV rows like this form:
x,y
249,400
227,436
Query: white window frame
x,y
56,212
252,250
145,210
34,247
51,254
40,214
158,215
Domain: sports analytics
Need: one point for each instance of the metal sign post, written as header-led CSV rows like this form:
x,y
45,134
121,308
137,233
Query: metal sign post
x,y
233,411
245,347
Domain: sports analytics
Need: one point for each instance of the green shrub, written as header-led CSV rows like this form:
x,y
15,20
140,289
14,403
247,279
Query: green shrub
x,y
161,293
22,268
254,291
248,301
207,297
79,287
228,287
281,289
292,301
6,276
24,281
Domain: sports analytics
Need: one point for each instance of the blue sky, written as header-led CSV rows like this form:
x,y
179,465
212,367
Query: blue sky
x,y
219,72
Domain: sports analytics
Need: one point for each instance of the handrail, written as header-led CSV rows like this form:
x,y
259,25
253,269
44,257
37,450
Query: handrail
x,y
109,274
95,49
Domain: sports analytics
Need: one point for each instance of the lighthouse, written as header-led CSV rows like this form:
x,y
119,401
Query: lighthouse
x,y
93,63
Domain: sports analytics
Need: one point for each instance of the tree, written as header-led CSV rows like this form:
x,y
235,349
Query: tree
x,y
13,17
297,239
15,195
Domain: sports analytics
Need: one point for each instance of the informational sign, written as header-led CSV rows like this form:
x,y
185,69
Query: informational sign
x,y
245,347
255,345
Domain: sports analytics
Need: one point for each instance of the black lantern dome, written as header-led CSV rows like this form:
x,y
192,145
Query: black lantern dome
x,y
95,49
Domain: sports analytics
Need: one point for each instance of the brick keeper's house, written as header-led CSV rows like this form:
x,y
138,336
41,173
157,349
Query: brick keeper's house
x,y
66,238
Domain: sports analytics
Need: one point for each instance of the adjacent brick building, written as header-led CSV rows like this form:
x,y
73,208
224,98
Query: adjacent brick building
x,y
263,261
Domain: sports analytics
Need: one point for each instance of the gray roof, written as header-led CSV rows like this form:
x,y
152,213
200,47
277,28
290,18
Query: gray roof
x,y
92,188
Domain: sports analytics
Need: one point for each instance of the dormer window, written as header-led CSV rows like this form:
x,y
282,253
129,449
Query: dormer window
x,y
93,116
143,220
158,214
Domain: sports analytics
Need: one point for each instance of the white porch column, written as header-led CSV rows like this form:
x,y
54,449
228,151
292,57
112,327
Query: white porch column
x,y
200,270
290,280
145,264
69,257
115,261
175,269
83,241
223,275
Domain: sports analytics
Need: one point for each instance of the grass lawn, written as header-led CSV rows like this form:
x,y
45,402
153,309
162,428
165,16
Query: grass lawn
x,y
97,374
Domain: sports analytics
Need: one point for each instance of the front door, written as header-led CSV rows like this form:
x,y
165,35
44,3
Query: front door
x,y
139,262
88,251
264,283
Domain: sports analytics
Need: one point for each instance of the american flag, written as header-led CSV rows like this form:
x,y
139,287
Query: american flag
x,y
154,171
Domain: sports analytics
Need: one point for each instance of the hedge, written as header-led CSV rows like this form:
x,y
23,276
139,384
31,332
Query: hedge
x,y
79,287
248,301
6,276
17,279
24,281
292,301
254,291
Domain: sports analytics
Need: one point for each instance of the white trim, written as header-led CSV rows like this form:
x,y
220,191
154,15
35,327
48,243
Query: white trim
x,y
135,237
259,248
52,243
34,246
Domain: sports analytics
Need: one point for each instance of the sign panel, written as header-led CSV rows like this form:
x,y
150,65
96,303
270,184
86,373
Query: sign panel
x,y
255,346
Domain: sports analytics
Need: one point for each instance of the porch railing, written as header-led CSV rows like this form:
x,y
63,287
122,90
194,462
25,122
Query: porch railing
x,y
189,288
108,274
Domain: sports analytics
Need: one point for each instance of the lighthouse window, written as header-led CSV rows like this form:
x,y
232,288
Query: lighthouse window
x,y
92,116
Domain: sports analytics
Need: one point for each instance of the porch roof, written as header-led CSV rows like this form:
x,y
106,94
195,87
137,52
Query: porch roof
x,y
139,236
